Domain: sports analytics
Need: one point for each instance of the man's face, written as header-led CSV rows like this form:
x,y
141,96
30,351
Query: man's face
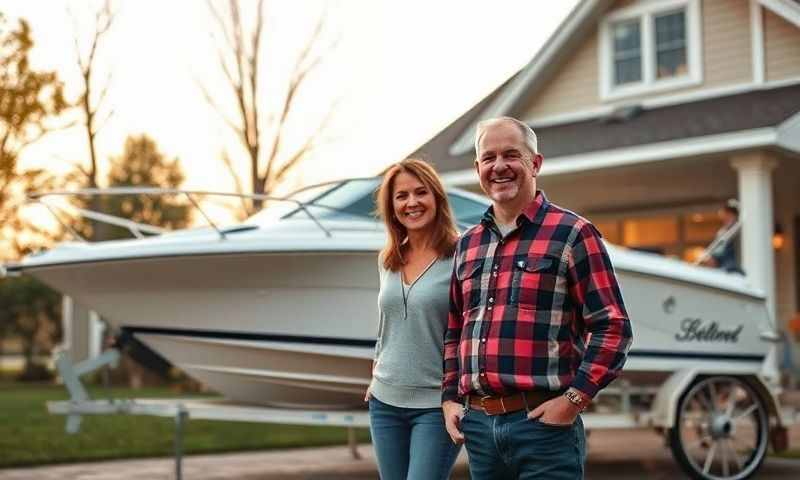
x,y
506,167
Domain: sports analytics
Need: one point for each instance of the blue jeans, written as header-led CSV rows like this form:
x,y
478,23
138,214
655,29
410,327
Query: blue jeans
x,y
512,446
410,443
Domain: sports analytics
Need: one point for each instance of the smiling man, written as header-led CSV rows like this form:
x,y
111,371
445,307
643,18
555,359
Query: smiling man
x,y
537,325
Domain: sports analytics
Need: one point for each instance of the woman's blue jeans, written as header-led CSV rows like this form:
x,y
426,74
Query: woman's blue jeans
x,y
511,446
410,443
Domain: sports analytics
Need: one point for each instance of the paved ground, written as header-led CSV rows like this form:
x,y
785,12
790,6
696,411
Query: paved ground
x,y
618,455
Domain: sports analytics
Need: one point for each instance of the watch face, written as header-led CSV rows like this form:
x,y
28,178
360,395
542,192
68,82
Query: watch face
x,y
574,398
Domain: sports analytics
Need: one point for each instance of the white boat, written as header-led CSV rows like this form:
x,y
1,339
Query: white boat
x,y
281,310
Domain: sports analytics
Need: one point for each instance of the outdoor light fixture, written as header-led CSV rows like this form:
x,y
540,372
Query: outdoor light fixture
x,y
778,238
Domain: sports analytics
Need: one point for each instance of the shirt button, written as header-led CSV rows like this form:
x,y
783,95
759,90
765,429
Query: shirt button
x,y
491,299
483,340
483,374
494,274
489,308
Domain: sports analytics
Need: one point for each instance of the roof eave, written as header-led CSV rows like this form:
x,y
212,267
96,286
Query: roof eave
x,y
785,136
788,9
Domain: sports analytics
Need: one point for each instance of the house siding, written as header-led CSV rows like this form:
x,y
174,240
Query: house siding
x,y
726,61
782,48
574,86
727,43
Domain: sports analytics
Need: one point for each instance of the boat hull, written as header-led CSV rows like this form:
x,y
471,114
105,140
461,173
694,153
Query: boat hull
x,y
298,328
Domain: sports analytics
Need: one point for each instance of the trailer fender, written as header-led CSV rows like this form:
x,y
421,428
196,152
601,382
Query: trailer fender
x,y
665,405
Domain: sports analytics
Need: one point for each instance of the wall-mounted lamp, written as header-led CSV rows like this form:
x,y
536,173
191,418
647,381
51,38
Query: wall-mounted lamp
x,y
778,238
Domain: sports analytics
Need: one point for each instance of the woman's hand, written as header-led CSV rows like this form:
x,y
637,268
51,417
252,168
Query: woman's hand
x,y
452,420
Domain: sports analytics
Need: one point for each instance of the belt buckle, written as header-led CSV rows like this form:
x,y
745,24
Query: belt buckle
x,y
493,412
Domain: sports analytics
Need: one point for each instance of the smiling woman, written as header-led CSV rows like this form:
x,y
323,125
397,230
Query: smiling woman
x,y
415,267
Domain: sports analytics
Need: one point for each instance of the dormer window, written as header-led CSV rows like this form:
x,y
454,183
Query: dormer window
x,y
627,53
650,46
671,45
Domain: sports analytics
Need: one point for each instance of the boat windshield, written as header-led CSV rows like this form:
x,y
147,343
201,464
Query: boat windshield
x,y
353,199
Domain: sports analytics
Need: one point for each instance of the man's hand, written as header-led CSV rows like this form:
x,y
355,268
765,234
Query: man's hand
x,y
367,395
452,420
557,411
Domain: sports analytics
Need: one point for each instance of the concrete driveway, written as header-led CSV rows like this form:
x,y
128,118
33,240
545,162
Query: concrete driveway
x,y
618,455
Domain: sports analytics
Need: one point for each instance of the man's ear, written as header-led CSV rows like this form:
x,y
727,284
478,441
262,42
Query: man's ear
x,y
477,170
537,160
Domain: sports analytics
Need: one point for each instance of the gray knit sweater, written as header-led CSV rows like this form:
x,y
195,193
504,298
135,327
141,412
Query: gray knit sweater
x,y
409,350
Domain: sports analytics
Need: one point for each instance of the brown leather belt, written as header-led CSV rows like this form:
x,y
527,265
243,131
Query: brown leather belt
x,y
498,405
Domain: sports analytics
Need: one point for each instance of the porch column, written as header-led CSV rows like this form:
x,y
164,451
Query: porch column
x,y
756,213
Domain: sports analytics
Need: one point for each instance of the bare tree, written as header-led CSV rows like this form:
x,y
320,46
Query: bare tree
x,y
262,130
92,105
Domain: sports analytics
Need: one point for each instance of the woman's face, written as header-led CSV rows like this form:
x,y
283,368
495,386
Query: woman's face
x,y
413,202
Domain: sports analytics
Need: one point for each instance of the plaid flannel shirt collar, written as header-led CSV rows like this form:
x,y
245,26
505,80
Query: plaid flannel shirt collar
x,y
532,213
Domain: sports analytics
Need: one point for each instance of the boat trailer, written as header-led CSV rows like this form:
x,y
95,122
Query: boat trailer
x,y
183,410
690,400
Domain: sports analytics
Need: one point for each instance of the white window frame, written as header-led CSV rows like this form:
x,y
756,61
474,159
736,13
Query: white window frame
x,y
646,11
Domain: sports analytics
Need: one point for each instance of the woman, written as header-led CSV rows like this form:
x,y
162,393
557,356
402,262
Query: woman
x,y
404,396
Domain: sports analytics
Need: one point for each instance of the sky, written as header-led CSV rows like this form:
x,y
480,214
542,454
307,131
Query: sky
x,y
400,71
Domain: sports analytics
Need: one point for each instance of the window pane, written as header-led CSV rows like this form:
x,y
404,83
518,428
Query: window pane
x,y
627,52
654,232
701,227
627,71
344,200
671,45
610,230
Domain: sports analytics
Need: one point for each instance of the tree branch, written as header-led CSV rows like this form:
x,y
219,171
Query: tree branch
x,y
222,25
103,92
213,103
298,76
102,123
310,144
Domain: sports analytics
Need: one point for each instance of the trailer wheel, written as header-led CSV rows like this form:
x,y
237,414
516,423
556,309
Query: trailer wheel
x,y
721,430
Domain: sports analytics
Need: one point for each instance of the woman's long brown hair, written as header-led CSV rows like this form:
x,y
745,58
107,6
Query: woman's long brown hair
x,y
444,234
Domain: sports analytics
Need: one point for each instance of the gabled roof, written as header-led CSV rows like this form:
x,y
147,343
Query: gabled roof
x,y
761,118
511,97
788,9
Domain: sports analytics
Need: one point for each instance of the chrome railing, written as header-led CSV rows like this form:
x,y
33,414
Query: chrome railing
x,y
138,229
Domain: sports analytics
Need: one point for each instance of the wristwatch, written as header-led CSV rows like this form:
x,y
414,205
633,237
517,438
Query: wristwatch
x,y
577,399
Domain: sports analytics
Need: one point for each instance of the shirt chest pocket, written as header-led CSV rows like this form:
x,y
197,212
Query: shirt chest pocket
x,y
536,283
469,275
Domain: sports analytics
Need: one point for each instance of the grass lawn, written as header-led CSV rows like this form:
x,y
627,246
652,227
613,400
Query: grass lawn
x,y
31,436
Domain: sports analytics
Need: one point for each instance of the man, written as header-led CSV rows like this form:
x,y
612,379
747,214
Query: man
x,y
536,326
722,252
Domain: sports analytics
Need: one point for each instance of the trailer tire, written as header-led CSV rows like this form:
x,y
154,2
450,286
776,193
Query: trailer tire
x,y
720,430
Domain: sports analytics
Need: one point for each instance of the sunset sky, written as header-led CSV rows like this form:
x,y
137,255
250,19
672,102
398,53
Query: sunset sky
x,y
401,71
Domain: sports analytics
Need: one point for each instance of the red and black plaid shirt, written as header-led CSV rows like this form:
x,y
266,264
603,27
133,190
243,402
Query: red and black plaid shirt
x,y
538,309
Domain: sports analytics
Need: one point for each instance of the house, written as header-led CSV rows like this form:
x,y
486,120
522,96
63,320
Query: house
x,y
651,114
